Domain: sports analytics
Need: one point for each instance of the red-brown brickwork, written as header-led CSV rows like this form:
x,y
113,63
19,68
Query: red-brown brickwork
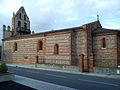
x,y
105,57
91,63
118,49
81,57
28,47
78,45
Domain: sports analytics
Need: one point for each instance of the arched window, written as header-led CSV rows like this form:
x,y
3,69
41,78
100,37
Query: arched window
x,y
56,49
15,46
24,17
19,24
40,45
103,43
25,25
20,15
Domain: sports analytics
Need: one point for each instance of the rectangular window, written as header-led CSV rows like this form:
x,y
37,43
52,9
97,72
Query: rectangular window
x,y
40,45
56,49
103,43
24,17
20,15
15,46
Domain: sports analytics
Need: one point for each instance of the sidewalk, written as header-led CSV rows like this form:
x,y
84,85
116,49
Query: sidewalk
x,y
73,72
39,85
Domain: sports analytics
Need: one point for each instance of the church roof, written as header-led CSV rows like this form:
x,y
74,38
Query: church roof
x,y
97,31
67,29
105,31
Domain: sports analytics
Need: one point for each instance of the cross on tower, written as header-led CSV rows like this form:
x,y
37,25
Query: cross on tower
x,y
97,17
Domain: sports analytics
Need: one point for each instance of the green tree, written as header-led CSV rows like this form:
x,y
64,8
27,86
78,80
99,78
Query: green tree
x,y
3,68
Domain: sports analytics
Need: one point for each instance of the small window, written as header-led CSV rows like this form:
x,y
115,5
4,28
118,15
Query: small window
x,y
24,17
37,59
19,24
15,46
20,15
56,49
26,57
40,45
25,25
103,43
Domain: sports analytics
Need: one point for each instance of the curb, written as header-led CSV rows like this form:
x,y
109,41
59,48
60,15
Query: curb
x,y
71,72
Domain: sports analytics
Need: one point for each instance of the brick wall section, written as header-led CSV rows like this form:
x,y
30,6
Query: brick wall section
x,y
7,53
89,28
27,49
0,52
91,63
89,46
7,34
118,46
78,45
81,57
105,57
63,39
26,53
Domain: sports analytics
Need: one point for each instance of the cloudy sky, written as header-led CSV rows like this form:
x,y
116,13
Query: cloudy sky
x,y
48,15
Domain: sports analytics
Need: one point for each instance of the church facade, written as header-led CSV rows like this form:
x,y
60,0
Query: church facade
x,y
85,47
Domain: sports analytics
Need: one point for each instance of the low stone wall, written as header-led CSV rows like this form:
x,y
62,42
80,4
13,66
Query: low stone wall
x,y
9,76
106,70
48,66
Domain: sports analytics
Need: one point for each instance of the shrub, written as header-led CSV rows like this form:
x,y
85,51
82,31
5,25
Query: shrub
x,y
3,68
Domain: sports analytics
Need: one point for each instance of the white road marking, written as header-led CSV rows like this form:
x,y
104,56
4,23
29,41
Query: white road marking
x,y
31,71
56,76
98,82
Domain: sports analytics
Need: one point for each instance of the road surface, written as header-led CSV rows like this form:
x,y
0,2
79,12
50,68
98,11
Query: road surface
x,y
77,81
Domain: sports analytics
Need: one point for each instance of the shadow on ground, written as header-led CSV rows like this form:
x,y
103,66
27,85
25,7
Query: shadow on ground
x,y
13,86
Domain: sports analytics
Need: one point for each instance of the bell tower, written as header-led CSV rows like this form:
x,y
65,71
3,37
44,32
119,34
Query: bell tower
x,y
20,23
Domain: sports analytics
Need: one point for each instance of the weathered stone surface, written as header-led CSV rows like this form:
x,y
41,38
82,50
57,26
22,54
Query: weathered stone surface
x,y
106,70
7,77
105,57
65,67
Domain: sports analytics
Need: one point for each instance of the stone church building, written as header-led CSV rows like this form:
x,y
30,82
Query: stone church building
x,y
82,48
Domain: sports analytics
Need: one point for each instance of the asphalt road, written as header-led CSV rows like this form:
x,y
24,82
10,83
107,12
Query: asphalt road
x,y
77,81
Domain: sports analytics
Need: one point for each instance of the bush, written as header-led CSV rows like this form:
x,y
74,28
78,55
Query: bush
x,y
3,68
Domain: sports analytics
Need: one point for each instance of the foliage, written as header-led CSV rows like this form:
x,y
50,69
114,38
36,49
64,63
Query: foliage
x,y
3,68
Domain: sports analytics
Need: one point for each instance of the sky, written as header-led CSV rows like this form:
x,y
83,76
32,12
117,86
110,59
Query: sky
x,y
46,15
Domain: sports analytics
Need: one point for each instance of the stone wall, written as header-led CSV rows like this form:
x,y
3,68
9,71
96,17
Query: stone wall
x,y
59,67
107,70
78,45
17,18
105,57
118,46
7,34
27,52
63,39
